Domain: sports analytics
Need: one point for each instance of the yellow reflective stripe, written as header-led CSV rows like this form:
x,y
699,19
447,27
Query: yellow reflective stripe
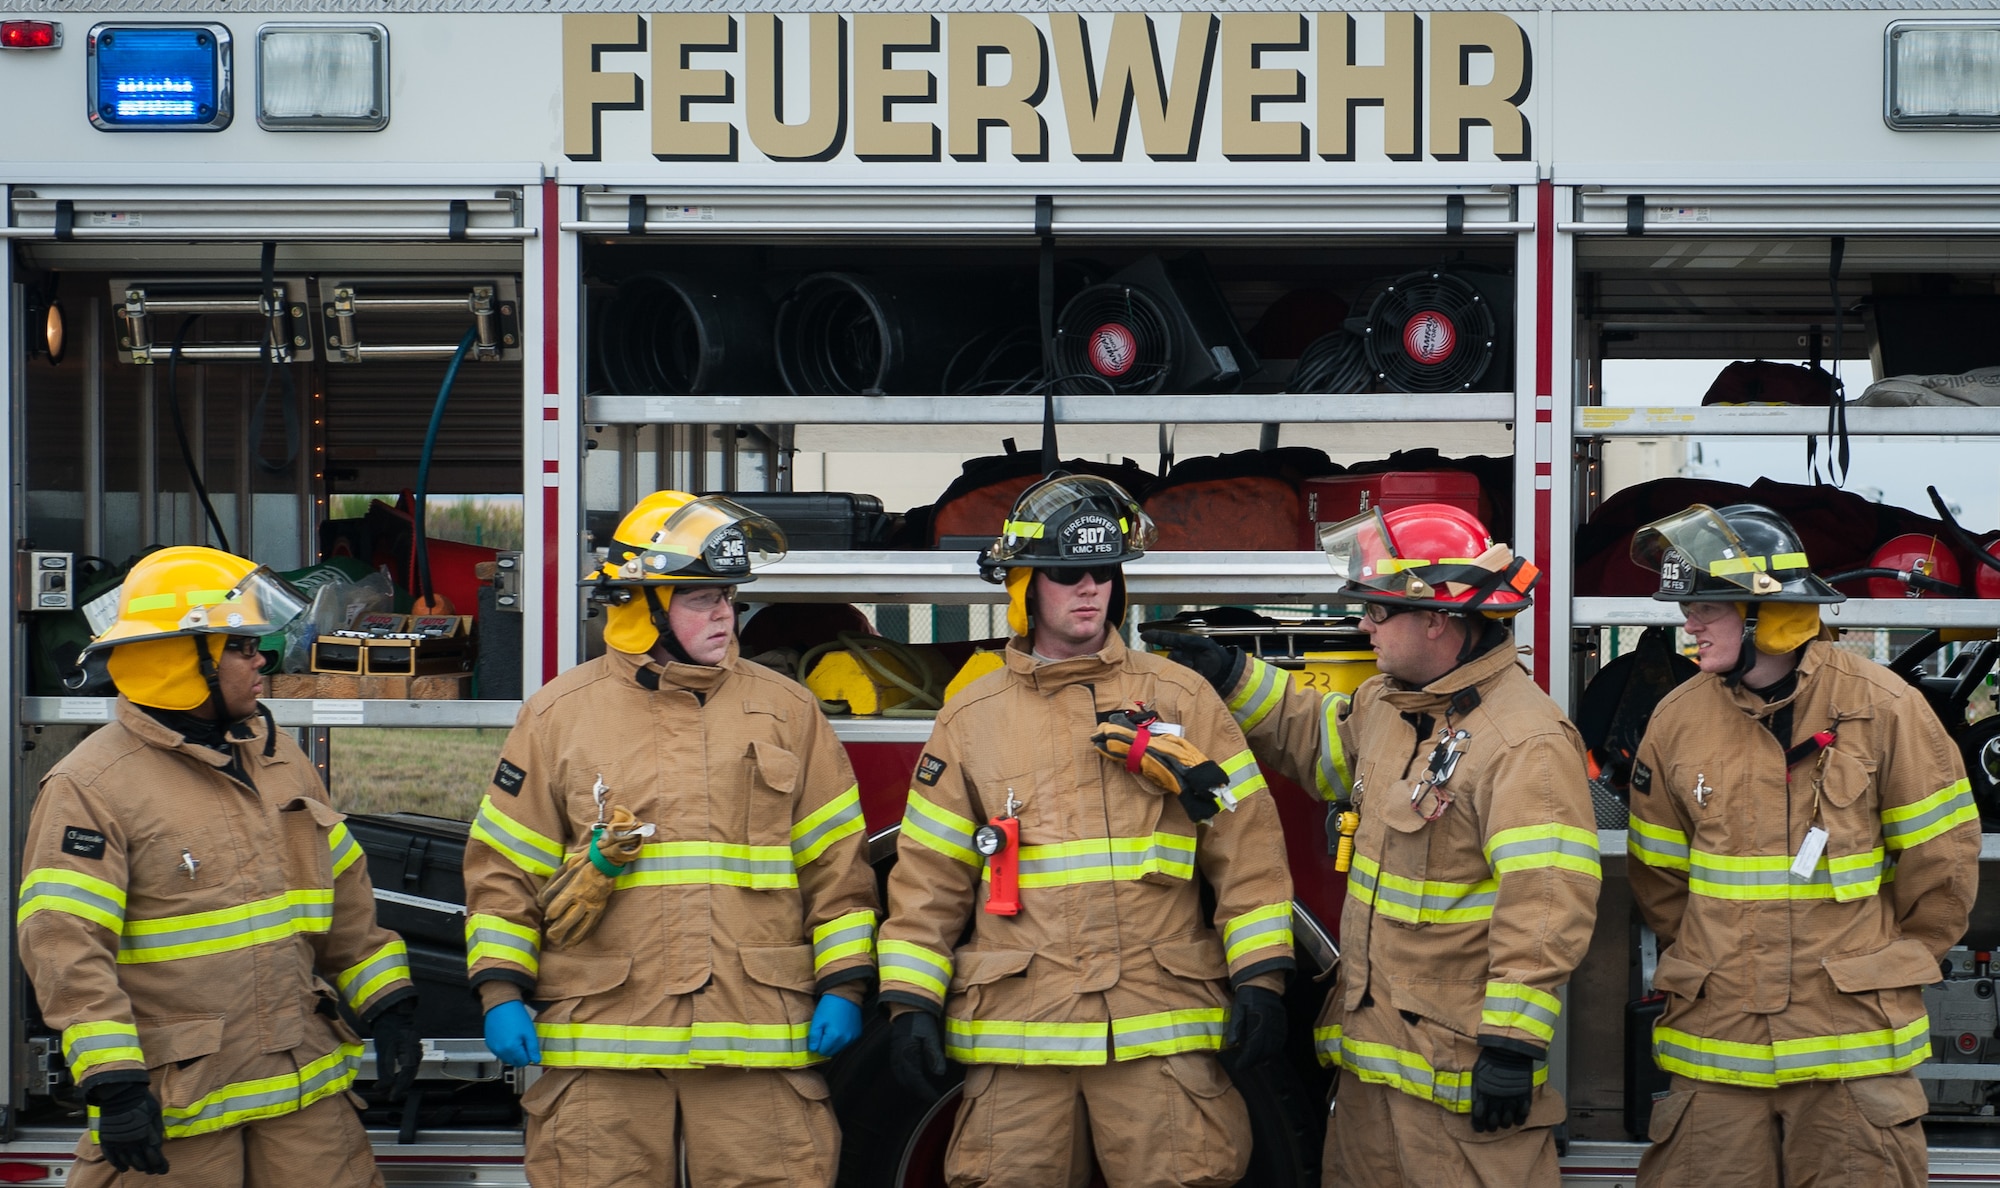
x,y
935,827
374,973
1401,1069
87,1045
1331,775
1814,1058
1515,1006
1909,825
733,1045
207,597
695,863
1023,528
51,890
1415,902
1729,565
836,819
902,961
514,841
1245,778
267,1097
496,938
1264,927
993,1041
1262,689
1106,859
346,851
1769,876
851,935
1539,847
147,602
225,930
1163,1033
1656,845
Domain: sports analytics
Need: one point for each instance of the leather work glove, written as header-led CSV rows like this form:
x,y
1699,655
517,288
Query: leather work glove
x,y
1503,1088
836,1024
1169,762
130,1128
916,1052
574,900
1256,1026
1218,664
510,1034
399,1048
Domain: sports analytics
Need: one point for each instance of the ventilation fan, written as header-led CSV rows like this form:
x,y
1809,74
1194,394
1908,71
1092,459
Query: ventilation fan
x,y
670,334
1158,326
1430,332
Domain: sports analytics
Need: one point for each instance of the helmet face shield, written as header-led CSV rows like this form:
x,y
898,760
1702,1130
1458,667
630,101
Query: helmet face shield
x,y
261,604
1698,543
1360,549
711,539
1077,519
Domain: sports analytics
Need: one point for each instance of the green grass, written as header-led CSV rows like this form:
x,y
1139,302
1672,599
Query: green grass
x,y
439,772
490,520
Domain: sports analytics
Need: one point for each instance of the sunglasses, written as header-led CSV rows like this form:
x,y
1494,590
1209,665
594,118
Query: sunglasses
x,y
242,645
1101,574
1380,612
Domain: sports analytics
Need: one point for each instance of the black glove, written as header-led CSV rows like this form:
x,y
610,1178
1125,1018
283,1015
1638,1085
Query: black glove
x,y
916,1053
1215,663
399,1049
1256,1026
1503,1088
130,1128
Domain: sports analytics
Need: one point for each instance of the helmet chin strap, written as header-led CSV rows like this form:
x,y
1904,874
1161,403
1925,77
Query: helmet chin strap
x,y
210,676
1746,655
661,624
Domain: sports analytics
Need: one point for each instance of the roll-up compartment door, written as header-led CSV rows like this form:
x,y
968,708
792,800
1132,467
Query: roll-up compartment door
x,y
1786,211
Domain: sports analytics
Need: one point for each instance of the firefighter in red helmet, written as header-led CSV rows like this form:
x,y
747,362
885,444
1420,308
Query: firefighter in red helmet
x,y
1457,789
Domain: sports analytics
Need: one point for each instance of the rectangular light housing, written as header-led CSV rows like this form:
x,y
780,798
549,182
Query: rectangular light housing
x,y
323,77
160,78
30,35
1941,74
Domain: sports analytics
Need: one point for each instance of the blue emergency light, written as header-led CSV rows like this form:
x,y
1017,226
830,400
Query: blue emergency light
x,y
147,78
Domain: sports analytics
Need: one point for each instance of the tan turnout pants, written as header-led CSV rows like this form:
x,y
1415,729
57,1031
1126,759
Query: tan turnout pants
x,y
744,1128
1154,1122
1378,1137
1815,1134
323,1144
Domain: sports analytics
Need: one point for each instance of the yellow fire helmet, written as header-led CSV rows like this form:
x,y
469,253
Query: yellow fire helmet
x,y
672,538
195,592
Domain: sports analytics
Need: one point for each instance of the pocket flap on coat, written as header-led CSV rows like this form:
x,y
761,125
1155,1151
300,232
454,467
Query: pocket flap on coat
x,y
1200,959
776,766
1679,976
1200,1073
1453,1005
1905,963
183,1037
977,967
323,814
580,975
1845,778
788,967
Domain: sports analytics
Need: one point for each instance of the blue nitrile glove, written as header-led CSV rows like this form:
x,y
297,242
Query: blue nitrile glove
x,y
510,1034
836,1024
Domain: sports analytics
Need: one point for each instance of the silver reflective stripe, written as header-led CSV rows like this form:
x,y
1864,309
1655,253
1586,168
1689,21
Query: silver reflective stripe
x,y
495,833
708,1046
506,940
1332,785
846,816
615,1046
941,829
1172,1031
1157,852
274,916
1413,1076
1426,903
1014,1043
852,932
769,867
1232,936
1759,1066
98,1043
217,1109
935,968
1254,702
1541,845
47,890
1900,829
399,962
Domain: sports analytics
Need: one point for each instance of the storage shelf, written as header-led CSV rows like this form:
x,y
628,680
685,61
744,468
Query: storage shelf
x,y
1071,410
942,576
882,730
1776,420
1922,613
85,711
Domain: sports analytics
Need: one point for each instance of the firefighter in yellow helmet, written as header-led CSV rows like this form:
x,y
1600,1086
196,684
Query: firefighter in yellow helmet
x,y
194,913
1458,802
1095,989
693,1003
1805,844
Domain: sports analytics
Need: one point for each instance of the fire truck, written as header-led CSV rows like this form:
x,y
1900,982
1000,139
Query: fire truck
x,y
263,254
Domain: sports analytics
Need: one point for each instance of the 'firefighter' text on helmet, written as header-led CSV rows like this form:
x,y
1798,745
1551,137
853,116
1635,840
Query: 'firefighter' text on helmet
x,y
669,539
188,592
1431,556
1066,521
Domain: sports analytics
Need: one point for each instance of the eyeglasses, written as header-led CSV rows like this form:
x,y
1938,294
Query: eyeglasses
x,y
1101,574
1706,612
703,602
242,645
1382,612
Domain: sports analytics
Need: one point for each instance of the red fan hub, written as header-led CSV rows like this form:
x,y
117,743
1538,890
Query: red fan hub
x,y
1429,338
1113,349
